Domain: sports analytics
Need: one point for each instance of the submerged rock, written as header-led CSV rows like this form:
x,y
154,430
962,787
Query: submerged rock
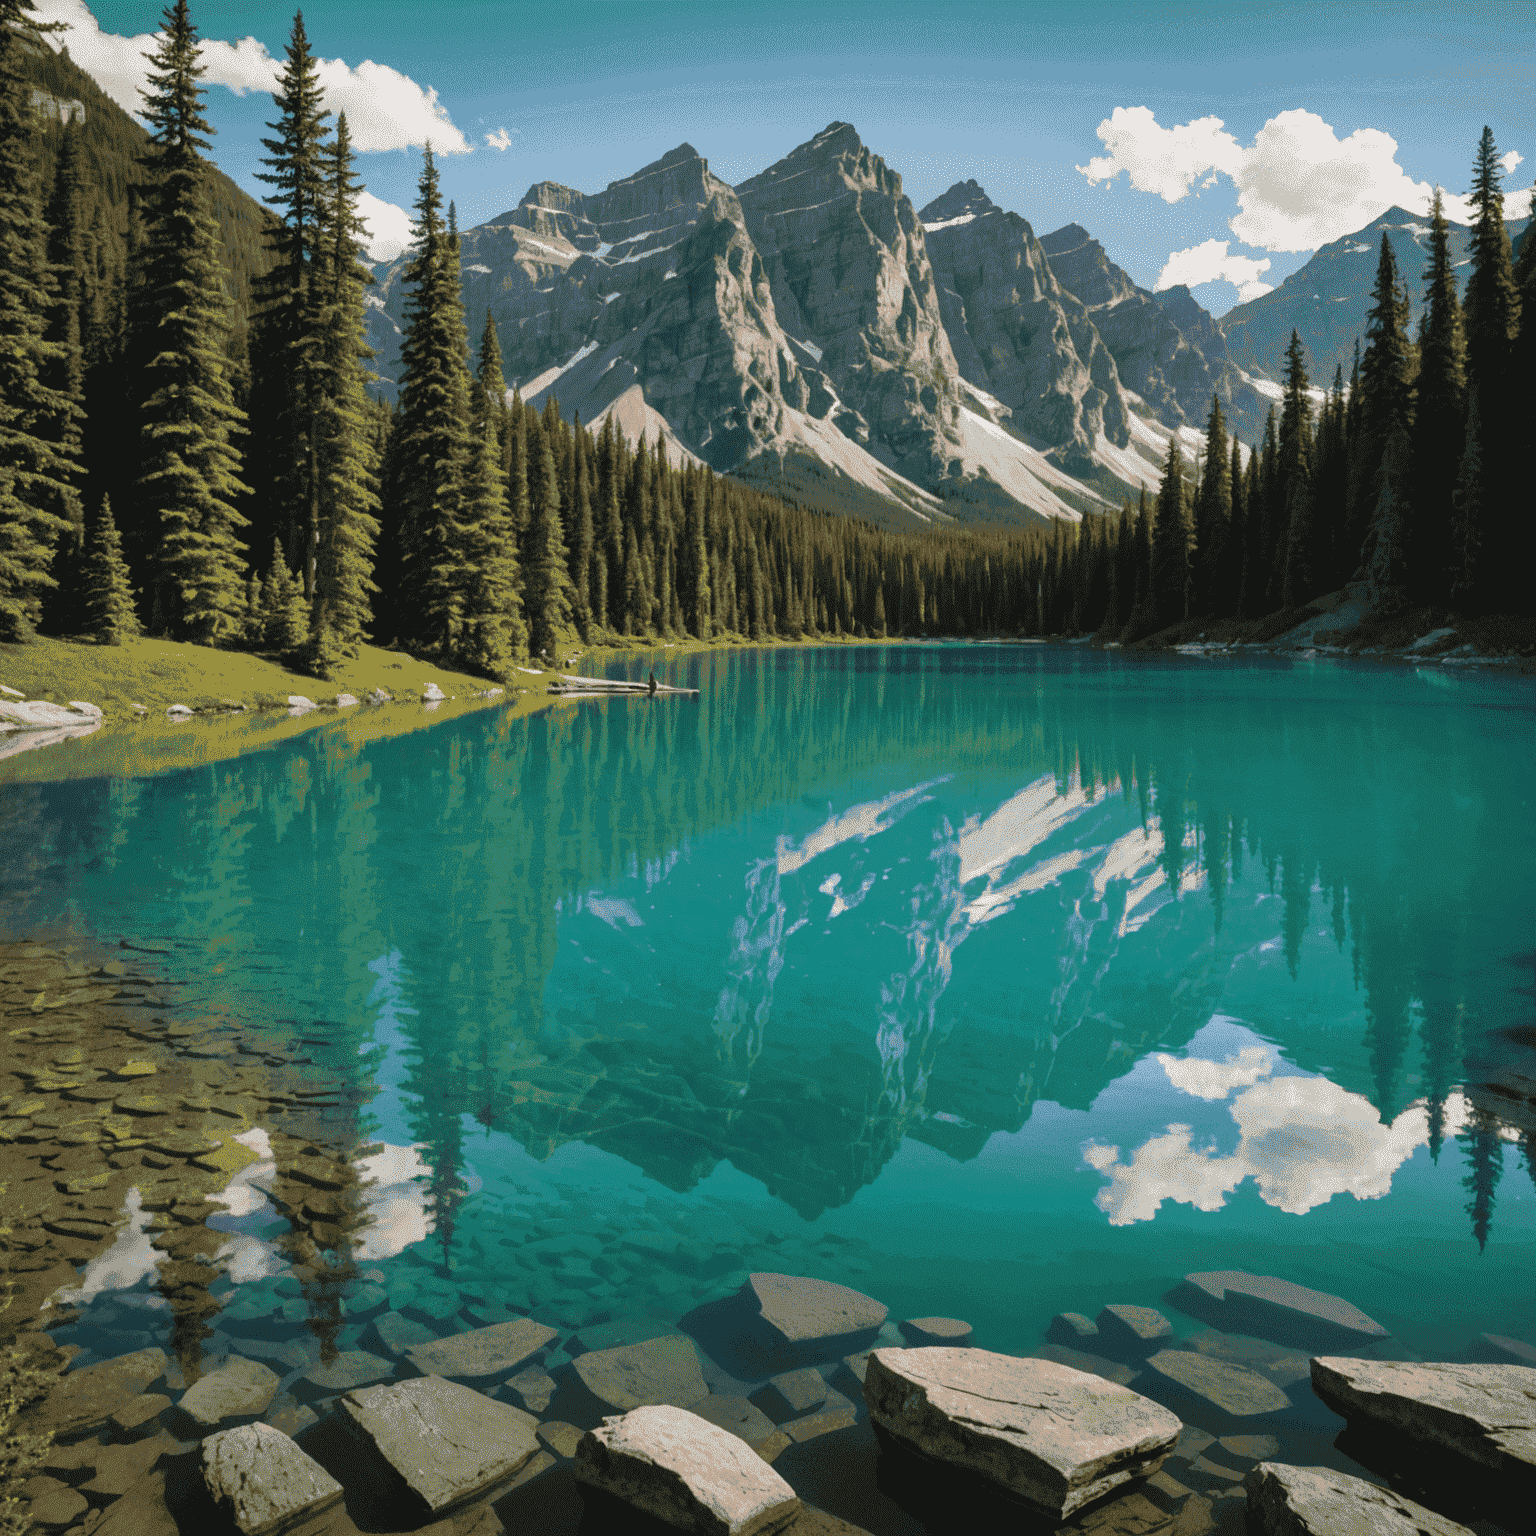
x,y
263,1481
791,1394
919,1331
1095,1365
1235,1300
1071,1329
744,1419
447,1441
84,1399
1482,1417
1232,1388
1133,1330
1317,1501
239,1387
483,1354
690,1473
1514,1350
787,1318
664,1370
1052,1436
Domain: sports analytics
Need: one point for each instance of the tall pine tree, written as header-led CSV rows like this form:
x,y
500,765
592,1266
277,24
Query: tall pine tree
x,y
1173,541
1295,559
106,612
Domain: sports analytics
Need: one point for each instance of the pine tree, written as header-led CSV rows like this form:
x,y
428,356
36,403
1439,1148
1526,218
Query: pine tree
x,y
546,580
1439,420
1213,515
36,475
1294,560
1173,541
284,613
1230,580
189,467
1485,1167
345,499
433,430
106,598
581,536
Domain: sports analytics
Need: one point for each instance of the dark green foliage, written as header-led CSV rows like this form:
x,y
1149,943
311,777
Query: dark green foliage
x,y
107,613
284,615
1485,1167
1293,552
188,477
546,582
1213,516
581,541
1173,541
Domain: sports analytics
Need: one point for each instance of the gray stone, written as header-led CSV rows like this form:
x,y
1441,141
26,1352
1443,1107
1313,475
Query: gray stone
x,y
560,1438
802,1313
396,1334
1515,1350
179,711
138,1418
738,1414
934,1330
263,1482
1232,1298
626,1330
1482,1416
1232,1388
239,1387
345,700
791,1394
379,696
1052,1436
834,1416
1133,1329
59,1509
432,694
448,1442
286,1355
297,701
1094,1365
84,1399
1071,1329
119,1467
687,1472
483,1354
1317,1501
39,715
1250,1447
532,1388
351,1368
659,1371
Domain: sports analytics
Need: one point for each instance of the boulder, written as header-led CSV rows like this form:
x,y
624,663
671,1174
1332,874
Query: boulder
x,y
532,1388
378,696
345,700
560,1438
239,1387
919,1331
179,711
659,1371
1234,1300
811,1317
448,1442
687,1472
625,1330
483,1354
742,1417
1232,1388
39,715
140,1417
351,1368
1095,1365
396,1333
58,1509
1133,1330
1071,1329
791,1394
297,701
263,1482
1317,1501
1515,1350
432,694
1054,1437
90,711
1250,1447
1482,1417
84,1399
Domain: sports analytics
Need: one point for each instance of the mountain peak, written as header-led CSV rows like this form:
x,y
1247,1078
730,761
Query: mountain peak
x,y
684,154
1068,238
964,200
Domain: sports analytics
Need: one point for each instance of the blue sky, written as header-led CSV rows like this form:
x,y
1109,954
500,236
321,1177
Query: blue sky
x,y
1209,143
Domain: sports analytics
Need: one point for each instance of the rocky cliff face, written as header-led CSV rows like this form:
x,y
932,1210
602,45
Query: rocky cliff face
x,y
1169,350
1016,333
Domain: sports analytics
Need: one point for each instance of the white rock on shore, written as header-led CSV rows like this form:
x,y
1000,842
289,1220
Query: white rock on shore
x,y
1052,1436
40,715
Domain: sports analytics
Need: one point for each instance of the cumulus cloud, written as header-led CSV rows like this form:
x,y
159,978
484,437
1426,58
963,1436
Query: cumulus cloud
x,y
1209,262
388,225
1216,1079
1510,161
385,109
1299,185
501,139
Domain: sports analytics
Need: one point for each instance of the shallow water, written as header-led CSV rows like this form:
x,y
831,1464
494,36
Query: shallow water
x,y
994,981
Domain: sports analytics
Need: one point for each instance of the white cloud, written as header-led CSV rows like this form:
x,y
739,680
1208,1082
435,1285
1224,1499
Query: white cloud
x,y
1510,161
501,139
1299,185
389,227
1209,262
1215,1080
385,109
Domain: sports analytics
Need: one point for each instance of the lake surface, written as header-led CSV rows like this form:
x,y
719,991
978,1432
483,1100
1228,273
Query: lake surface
x,y
994,981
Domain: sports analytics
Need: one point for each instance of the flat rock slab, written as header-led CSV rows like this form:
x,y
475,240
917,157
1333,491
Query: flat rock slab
x,y
85,1398
800,1313
396,1334
1317,1501
1071,1329
238,1388
919,1331
627,1330
1234,1298
532,1388
742,1417
448,1442
1095,1365
1250,1447
663,1370
1480,1415
1232,1388
1516,1350
791,1394
263,1482
690,1473
1054,1437
1136,1329
351,1368
483,1354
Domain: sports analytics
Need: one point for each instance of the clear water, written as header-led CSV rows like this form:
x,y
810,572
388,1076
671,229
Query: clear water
x,y
992,980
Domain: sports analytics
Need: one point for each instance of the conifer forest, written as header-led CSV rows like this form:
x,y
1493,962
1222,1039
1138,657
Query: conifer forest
x,y
190,445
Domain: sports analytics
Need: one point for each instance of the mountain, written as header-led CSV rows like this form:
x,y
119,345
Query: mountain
x,y
790,331
1170,352
1326,301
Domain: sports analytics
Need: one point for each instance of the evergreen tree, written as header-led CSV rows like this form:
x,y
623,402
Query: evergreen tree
x,y
546,580
189,467
432,432
1229,585
106,598
36,475
1143,600
284,613
1173,541
1295,561
1213,516
1485,1167
581,536
1439,421
345,499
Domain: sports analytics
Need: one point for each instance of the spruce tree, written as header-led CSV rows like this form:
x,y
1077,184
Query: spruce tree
x,y
546,580
284,613
345,454
1294,560
1230,581
1439,421
581,536
36,474
107,613
189,466
1173,541
1213,516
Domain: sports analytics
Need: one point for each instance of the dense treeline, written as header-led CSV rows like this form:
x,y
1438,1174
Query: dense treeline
x,y
172,468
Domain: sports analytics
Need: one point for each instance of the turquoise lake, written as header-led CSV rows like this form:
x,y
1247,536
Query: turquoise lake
x,y
991,980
